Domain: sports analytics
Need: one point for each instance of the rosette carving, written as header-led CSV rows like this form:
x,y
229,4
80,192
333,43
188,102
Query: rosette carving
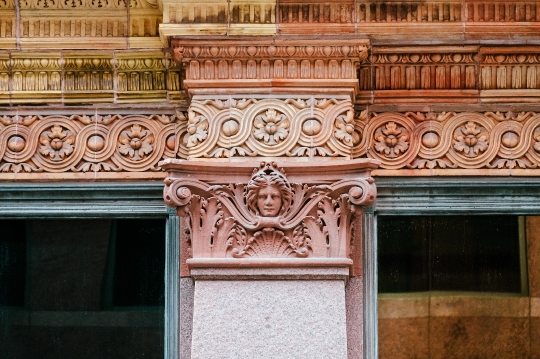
x,y
537,139
196,129
345,129
272,127
391,140
57,143
470,139
135,142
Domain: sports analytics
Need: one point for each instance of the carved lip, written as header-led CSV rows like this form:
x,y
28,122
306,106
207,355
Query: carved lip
x,y
301,172
268,262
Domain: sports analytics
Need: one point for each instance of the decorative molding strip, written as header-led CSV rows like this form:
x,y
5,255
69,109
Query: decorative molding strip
x,y
218,17
114,77
467,74
87,4
62,24
451,140
510,68
421,68
270,127
293,129
81,143
263,65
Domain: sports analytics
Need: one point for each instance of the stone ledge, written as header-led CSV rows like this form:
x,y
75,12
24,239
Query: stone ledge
x,y
272,270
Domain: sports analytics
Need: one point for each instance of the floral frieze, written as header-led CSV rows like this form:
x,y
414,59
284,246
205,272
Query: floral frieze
x,y
82,143
261,126
449,140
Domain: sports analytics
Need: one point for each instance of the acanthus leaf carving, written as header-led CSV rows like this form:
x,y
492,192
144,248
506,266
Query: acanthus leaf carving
x,y
196,129
269,217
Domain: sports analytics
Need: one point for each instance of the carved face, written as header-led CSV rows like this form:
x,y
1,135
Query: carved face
x,y
269,201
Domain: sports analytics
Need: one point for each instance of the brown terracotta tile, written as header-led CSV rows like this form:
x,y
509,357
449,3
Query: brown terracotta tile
x,y
533,254
403,338
479,338
535,338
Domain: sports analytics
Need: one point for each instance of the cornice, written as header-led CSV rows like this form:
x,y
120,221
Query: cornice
x,y
266,66
381,20
88,77
103,24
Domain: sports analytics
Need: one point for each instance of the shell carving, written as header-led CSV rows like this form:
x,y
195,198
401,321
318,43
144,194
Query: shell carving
x,y
271,243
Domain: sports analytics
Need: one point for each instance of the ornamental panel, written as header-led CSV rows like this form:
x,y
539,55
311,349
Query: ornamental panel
x,y
449,140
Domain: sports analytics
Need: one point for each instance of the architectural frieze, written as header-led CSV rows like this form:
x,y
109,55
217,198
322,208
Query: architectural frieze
x,y
270,127
86,143
292,129
79,77
449,140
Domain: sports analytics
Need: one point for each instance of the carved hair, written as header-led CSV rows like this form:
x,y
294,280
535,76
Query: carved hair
x,y
262,180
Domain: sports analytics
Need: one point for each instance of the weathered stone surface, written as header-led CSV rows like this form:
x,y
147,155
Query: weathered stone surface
x,y
533,254
269,319
481,337
405,338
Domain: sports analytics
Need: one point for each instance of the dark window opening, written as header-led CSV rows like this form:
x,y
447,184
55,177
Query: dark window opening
x,y
140,263
449,253
90,288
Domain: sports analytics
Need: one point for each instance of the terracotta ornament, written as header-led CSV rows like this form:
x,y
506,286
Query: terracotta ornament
x,y
269,216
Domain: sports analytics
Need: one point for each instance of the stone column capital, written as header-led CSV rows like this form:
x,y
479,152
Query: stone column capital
x,y
265,215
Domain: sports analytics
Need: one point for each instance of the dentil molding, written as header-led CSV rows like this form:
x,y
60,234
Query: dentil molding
x,y
266,66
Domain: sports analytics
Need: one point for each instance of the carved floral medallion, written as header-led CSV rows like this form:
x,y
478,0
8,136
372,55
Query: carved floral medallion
x,y
391,140
56,143
135,142
272,127
470,139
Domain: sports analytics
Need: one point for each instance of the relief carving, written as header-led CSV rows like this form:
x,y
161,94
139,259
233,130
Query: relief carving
x,y
304,126
81,143
121,76
449,140
269,217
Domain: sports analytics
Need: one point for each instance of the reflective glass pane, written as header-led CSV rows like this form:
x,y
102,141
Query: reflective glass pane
x,y
90,289
458,286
